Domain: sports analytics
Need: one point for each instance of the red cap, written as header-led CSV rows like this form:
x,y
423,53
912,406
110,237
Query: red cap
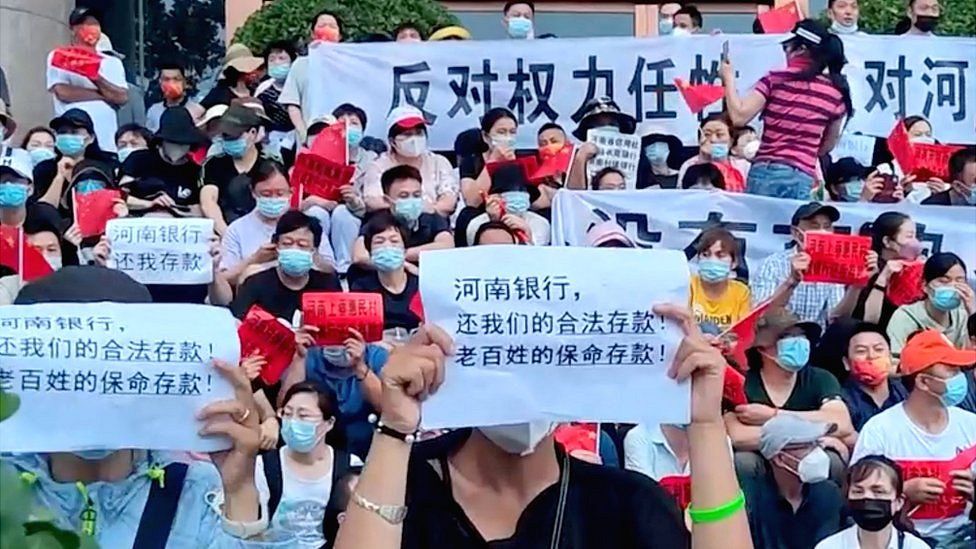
x,y
928,348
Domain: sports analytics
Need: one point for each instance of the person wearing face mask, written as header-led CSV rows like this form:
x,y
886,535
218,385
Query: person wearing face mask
x,y
876,503
75,141
871,386
508,201
407,135
98,97
716,296
929,426
518,18
386,243
793,506
172,83
45,238
803,108
745,143
923,17
131,138
421,231
235,76
714,146
301,478
665,17
844,15
949,300
279,57
846,181
163,176
687,21
894,239
39,142
962,189
601,113
17,209
324,28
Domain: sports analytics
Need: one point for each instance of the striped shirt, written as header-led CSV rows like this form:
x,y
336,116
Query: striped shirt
x,y
796,117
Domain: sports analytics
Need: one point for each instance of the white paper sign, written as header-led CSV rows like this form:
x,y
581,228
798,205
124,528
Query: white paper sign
x,y
111,375
558,334
614,150
859,147
155,250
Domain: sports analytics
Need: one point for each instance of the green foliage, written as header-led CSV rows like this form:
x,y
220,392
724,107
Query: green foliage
x,y
189,32
291,19
881,16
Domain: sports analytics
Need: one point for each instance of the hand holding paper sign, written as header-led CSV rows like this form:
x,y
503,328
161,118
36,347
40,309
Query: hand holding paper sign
x,y
335,313
837,258
411,374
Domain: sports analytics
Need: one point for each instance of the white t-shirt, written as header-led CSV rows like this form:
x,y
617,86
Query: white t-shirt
x,y
103,115
847,539
248,233
893,435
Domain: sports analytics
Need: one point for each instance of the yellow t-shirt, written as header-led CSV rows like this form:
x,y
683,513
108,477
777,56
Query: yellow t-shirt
x,y
723,312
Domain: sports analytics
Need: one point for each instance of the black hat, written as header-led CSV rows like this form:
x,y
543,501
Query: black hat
x,y
238,119
807,211
844,170
603,106
93,169
73,118
652,132
84,284
79,14
176,126
508,178
810,32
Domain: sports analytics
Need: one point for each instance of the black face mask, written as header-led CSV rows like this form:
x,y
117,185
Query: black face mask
x,y
926,23
871,514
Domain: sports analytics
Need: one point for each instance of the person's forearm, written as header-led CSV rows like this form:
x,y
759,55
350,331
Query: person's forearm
x,y
745,437
373,390
375,203
52,195
241,502
733,104
872,306
383,482
115,95
840,418
265,410
781,296
294,375
577,175
233,274
847,303
713,484
211,210
446,204
219,292
297,120
134,203
73,94
413,254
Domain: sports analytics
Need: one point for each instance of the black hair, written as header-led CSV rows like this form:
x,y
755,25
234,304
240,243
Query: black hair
x,y
867,466
172,64
939,264
912,120
908,381
315,18
265,169
399,173
396,130
293,220
381,221
510,3
886,225
703,172
971,325
864,328
722,117
692,12
326,399
494,226
958,161
39,224
494,115
409,25
740,131
350,109
286,46
550,126
36,129
827,55
598,176
134,128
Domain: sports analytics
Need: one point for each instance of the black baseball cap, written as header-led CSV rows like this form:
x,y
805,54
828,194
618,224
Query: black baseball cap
x,y
238,119
846,169
807,211
79,14
73,118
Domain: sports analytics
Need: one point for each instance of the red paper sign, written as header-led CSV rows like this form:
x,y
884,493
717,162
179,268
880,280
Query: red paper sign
x,y
261,333
743,332
950,503
94,209
333,313
552,165
698,96
80,61
734,387
20,256
417,306
578,436
529,165
330,144
734,182
679,486
319,176
781,19
901,148
837,258
906,286
932,160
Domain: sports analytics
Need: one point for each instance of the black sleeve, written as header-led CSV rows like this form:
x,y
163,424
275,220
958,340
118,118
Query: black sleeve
x,y
439,224
215,97
44,175
655,518
246,296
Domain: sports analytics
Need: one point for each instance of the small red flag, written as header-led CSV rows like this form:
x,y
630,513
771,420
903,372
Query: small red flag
x,y
330,143
781,19
901,148
529,165
743,333
261,333
94,209
552,164
20,256
334,313
906,286
734,387
80,61
698,96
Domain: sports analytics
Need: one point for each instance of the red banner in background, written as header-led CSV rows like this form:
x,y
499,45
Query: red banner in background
x,y
334,313
837,258
262,333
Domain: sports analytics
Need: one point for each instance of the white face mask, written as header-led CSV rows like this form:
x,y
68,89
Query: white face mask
x,y
814,468
681,32
840,28
412,147
750,149
924,139
519,438
53,260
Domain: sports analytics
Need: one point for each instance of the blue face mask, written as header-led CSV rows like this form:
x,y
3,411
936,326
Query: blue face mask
x,y
299,435
956,389
851,191
945,298
279,72
12,195
41,154
408,209
124,153
657,153
387,259
295,262
793,353
354,136
235,148
70,144
720,151
519,27
336,355
271,207
516,202
94,455
665,25
714,270
89,186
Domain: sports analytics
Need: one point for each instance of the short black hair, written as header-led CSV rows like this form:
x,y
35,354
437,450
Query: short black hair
x,y
134,128
349,108
598,176
863,328
381,221
958,161
286,46
550,126
494,226
265,169
293,220
409,25
705,171
510,3
939,264
315,18
691,11
327,402
399,173
172,65
717,117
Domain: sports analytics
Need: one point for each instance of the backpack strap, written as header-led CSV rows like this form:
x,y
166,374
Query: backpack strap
x,y
272,474
160,510
341,463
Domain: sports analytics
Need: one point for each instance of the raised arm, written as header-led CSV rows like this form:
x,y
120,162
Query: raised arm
x,y
741,109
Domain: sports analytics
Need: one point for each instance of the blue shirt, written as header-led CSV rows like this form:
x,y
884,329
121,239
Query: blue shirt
x,y
354,409
862,407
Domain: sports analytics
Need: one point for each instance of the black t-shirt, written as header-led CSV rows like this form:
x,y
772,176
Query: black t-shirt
x,y
265,289
813,387
153,175
942,199
887,307
396,307
45,172
234,188
178,293
276,111
605,507
219,95
428,226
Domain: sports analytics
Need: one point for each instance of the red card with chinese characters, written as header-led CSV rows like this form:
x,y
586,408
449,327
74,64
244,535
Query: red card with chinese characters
x,y
906,286
261,333
330,144
319,176
781,19
552,165
950,503
932,160
837,258
901,148
734,387
333,313
529,165
698,96
578,436
93,210
679,486
80,61
20,256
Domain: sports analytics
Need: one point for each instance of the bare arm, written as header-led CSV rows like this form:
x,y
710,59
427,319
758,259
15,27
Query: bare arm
x,y
372,387
220,293
115,95
740,109
744,437
359,254
577,173
264,407
446,204
53,194
295,115
714,484
831,136
442,241
834,411
66,93
472,189
210,208
875,301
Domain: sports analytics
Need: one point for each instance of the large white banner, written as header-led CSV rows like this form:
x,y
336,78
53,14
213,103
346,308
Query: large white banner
x,y
456,82
672,219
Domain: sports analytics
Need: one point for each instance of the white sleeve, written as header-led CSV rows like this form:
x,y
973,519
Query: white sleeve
x,y
54,75
868,442
635,451
113,70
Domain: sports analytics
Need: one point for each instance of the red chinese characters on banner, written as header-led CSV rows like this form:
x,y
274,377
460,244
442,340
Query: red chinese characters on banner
x,y
319,176
17,254
334,313
932,160
261,333
679,486
837,258
950,503
81,61
94,209
906,286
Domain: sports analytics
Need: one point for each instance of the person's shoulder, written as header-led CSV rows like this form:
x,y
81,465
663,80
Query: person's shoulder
x,y
884,419
964,417
322,280
367,283
938,199
738,289
138,161
840,540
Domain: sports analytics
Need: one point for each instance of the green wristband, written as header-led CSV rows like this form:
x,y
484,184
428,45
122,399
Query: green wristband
x,y
719,513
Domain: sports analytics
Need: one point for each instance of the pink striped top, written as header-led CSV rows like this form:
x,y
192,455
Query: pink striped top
x,y
795,118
